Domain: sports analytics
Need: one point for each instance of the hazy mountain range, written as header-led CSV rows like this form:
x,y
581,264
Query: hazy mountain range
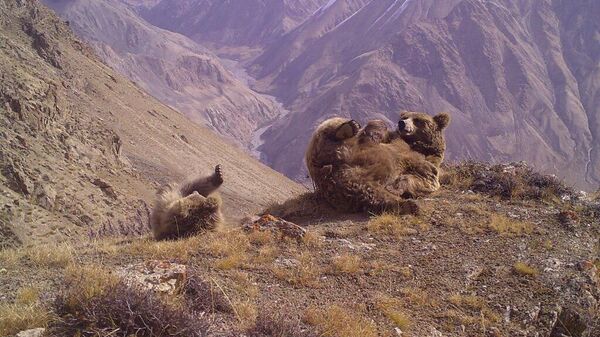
x,y
520,77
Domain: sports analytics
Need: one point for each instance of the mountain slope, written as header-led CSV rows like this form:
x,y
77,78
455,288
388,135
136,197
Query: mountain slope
x,y
519,77
86,148
249,23
169,66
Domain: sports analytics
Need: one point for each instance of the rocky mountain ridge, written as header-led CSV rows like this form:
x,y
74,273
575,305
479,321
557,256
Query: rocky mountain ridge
x,y
85,147
173,68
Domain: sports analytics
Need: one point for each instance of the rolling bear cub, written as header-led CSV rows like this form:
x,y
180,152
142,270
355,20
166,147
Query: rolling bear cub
x,y
372,169
184,210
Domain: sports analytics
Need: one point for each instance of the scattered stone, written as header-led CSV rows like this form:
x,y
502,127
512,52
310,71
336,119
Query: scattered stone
x,y
17,180
32,333
105,187
159,276
569,219
356,246
45,195
399,332
288,263
274,224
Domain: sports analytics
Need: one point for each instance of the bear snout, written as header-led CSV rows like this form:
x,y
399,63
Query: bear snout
x,y
406,126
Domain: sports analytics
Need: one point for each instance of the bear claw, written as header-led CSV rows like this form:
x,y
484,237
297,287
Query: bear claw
x,y
347,130
218,176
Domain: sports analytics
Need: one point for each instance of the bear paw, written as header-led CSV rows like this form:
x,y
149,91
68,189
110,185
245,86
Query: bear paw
x,y
218,175
347,130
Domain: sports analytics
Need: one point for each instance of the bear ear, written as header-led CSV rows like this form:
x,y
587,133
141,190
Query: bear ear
x,y
442,120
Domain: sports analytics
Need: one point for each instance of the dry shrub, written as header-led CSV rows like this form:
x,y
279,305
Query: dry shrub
x,y
346,264
391,308
507,226
524,269
270,324
389,224
27,312
120,310
507,181
204,296
335,321
306,272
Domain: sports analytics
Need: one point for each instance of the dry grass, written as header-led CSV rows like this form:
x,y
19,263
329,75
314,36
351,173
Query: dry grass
x,y
181,250
507,226
391,308
335,321
306,272
524,269
25,313
233,261
246,313
260,238
346,264
312,240
50,255
477,311
89,281
417,297
389,225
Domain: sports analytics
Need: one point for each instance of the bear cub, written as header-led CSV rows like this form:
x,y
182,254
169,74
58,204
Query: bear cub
x,y
187,209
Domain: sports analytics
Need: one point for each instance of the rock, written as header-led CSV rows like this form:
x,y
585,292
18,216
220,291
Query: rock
x,y
17,180
288,263
568,219
159,276
105,187
45,195
274,224
568,323
32,333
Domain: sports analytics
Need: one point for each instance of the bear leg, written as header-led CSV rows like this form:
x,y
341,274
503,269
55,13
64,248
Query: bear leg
x,y
204,185
347,130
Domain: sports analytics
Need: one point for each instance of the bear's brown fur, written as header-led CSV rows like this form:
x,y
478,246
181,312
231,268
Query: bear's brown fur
x,y
185,210
372,169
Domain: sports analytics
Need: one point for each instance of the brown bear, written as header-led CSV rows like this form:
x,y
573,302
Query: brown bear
x,y
372,169
185,210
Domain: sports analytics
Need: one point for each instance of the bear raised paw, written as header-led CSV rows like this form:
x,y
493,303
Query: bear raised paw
x,y
187,209
373,169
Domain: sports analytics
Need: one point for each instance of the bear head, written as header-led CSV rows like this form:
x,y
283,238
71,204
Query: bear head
x,y
424,133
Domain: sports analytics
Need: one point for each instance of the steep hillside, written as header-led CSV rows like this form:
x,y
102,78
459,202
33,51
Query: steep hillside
x,y
85,148
249,23
519,77
171,67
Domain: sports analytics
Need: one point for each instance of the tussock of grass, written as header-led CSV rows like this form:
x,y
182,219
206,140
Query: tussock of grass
x,y
17,317
391,308
25,313
507,181
306,272
51,255
506,226
346,264
246,313
335,321
474,310
389,224
524,269
260,238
